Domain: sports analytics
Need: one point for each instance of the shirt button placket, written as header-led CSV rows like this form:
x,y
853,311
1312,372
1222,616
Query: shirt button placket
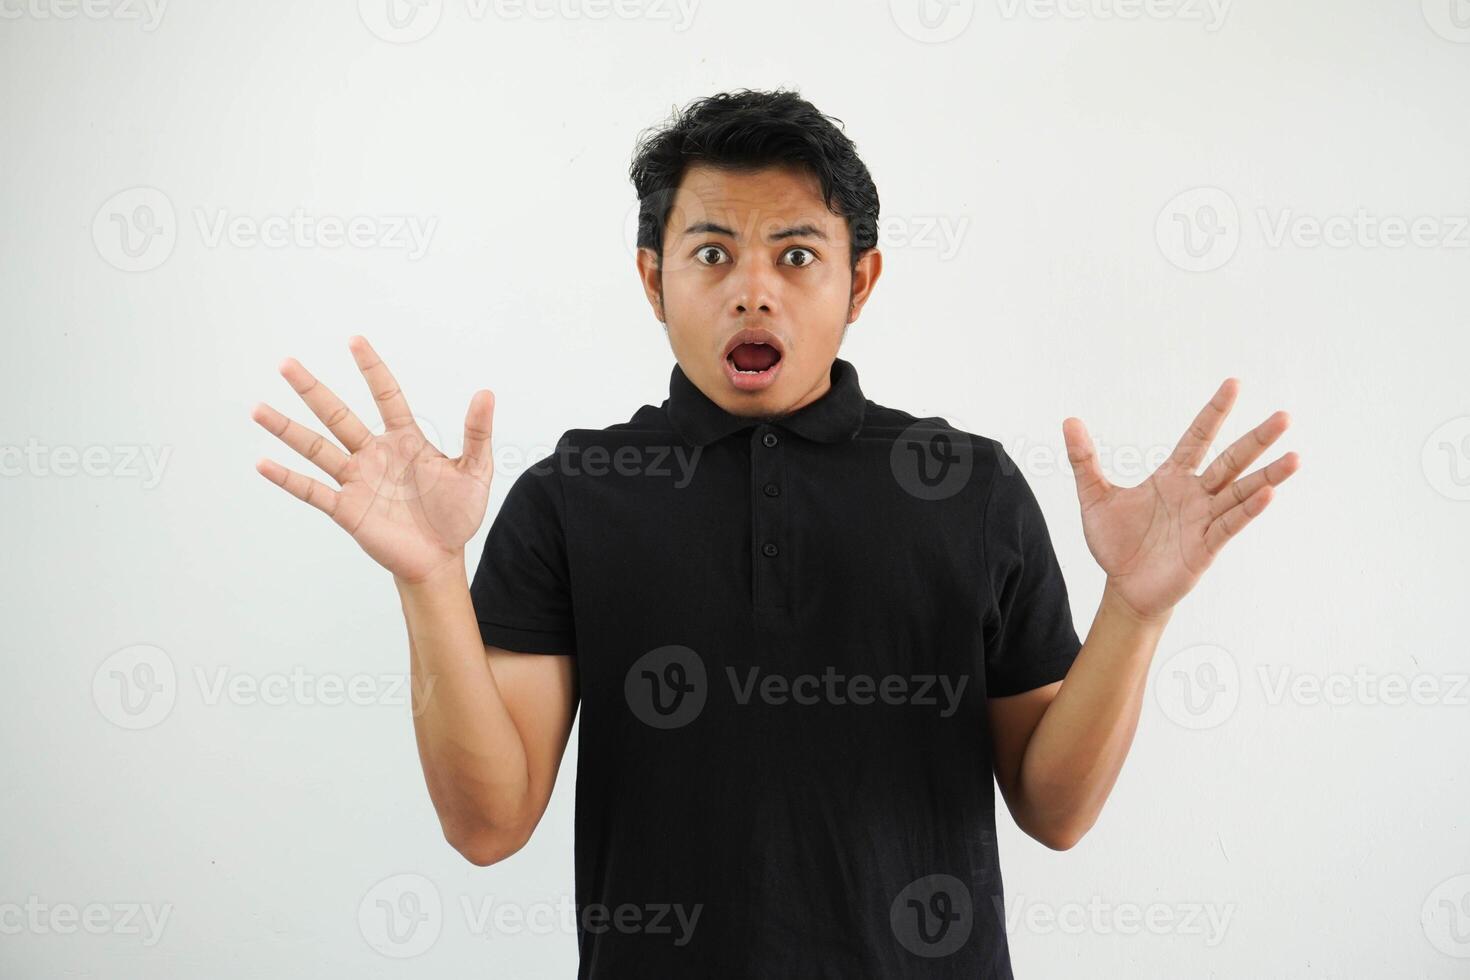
x,y
768,521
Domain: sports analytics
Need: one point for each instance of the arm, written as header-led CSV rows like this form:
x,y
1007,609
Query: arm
x,y
1058,749
491,725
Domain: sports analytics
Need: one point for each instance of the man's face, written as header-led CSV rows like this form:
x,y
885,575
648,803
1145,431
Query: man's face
x,y
757,288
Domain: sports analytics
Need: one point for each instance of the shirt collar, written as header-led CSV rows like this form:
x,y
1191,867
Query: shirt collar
x,y
834,417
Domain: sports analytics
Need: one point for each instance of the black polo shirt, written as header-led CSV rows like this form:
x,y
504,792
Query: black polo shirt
x,y
785,635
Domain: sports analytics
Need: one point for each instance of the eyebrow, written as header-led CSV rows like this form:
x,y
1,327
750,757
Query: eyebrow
x,y
807,230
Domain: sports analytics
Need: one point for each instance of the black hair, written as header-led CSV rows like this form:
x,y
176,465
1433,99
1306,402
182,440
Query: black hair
x,y
748,130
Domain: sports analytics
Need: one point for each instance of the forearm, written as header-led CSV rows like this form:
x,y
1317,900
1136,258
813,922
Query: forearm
x,y
473,757
1075,754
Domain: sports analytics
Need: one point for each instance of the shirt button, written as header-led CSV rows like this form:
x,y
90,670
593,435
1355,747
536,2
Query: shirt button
x,y
772,490
769,439
770,550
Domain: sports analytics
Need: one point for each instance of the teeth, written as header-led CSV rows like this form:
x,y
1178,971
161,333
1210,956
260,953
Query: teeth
x,y
740,370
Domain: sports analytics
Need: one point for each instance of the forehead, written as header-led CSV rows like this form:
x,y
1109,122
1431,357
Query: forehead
x,y
752,203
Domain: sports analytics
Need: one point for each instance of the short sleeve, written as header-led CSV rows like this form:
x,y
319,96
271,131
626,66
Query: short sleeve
x,y
521,591
1030,640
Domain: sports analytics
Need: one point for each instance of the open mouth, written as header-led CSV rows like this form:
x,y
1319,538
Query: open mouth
x,y
753,360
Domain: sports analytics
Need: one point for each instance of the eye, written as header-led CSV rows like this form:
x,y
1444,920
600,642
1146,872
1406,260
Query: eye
x,y
810,257
708,254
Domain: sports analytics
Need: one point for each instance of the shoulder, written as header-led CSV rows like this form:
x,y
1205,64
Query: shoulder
x,y
983,455
646,443
648,421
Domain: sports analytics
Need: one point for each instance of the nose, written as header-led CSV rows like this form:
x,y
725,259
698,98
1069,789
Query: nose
x,y
754,286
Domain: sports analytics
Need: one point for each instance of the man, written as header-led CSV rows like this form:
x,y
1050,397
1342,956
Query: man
x,y
804,629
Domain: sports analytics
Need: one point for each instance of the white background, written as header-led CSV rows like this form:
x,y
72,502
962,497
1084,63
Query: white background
x,y
1031,161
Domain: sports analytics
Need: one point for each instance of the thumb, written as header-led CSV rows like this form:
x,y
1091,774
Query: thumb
x,y
1091,484
478,423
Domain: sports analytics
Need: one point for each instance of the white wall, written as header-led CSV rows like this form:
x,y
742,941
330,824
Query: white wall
x,y
1031,166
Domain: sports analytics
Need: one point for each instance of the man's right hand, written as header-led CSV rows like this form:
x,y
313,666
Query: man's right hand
x,y
407,504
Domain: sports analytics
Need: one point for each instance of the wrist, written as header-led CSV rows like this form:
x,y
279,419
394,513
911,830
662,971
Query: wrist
x,y
1114,602
449,572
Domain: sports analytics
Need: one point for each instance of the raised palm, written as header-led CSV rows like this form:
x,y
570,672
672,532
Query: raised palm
x,y
408,505
1155,540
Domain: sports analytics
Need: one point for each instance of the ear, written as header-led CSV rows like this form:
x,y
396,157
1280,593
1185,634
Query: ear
x,y
651,275
864,278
